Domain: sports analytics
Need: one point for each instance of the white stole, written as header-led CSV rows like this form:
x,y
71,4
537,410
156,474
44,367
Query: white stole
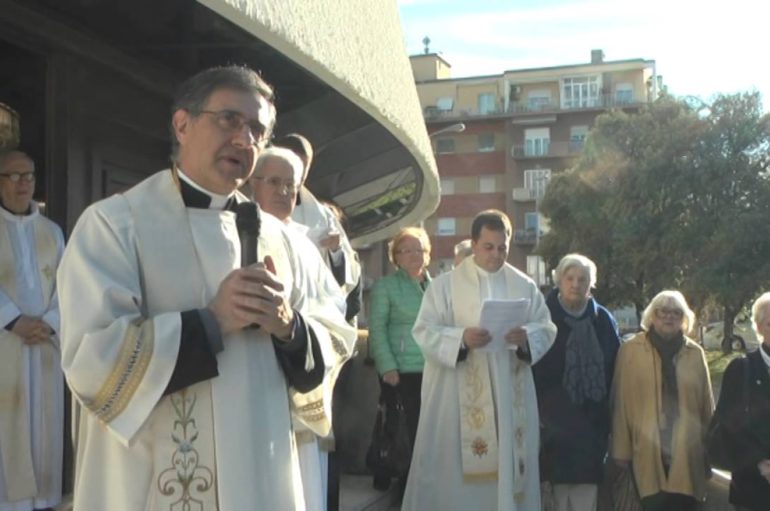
x,y
478,427
15,443
478,418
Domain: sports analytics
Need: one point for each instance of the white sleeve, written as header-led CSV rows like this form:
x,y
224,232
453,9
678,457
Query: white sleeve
x,y
434,330
541,332
117,362
51,316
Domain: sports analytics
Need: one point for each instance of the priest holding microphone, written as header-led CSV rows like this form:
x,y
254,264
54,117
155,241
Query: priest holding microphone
x,y
186,364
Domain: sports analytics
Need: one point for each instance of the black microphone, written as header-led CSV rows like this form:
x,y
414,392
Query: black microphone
x,y
248,222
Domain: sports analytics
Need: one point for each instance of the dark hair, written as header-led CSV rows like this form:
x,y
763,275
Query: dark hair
x,y
492,219
194,92
299,145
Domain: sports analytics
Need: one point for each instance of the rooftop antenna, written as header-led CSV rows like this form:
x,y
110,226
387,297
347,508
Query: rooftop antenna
x,y
426,42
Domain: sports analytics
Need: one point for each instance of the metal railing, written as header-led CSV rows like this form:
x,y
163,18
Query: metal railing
x,y
552,149
525,107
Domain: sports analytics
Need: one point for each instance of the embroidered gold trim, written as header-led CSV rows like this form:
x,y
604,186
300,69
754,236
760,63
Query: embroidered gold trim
x,y
133,360
311,407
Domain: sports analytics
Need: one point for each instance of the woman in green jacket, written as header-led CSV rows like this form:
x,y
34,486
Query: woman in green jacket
x,y
395,302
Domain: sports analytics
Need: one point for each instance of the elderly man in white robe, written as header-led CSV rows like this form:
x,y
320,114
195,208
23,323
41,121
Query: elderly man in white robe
x,y
187,364
477,439
274,186
31,382
324,229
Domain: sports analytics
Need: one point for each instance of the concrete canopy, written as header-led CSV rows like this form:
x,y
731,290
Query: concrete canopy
x,y
375,160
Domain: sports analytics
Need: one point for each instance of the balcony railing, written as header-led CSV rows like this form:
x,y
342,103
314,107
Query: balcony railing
x,y
551,150
525,236
588,103
524,194
433,113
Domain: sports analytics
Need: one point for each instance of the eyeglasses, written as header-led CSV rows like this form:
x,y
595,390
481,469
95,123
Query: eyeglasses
x,y
230,120
674,313
15,177
280,184
409,251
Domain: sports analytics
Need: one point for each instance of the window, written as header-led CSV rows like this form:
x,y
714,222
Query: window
x,y
447,186
486,142
487,102
536,141
581,92
532,221
624,93
536,181
538,100
445,104
487,184
445,145
446,227
577,138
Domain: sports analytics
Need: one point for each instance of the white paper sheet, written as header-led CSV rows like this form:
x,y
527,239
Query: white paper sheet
x,y
498,317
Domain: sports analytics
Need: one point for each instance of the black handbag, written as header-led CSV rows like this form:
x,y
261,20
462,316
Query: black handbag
x,y
719,452
390,452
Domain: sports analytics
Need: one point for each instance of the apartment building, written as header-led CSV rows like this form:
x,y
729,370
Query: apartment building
x,y
522,126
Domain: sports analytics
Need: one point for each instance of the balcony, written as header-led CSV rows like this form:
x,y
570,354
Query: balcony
x,y
525,236
550,150
601,102
523,194
432,113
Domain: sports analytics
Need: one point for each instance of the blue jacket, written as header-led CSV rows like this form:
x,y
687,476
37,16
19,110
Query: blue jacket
x,y
574,438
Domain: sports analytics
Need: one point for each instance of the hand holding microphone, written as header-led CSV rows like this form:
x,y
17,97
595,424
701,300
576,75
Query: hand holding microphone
x,y
252,295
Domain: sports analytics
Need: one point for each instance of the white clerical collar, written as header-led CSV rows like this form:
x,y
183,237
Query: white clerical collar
x,y
490,274
12,217
218,201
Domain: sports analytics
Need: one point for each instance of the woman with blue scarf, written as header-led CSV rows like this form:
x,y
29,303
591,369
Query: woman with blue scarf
x,y
573,382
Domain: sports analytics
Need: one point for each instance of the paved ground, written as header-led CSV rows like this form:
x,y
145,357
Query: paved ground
x,y
356,494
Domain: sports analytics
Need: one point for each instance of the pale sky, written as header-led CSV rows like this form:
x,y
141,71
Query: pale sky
x,y
700,48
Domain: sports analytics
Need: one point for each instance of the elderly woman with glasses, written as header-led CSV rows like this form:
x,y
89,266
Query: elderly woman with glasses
x,y
662,405
573,383
743,412
395,302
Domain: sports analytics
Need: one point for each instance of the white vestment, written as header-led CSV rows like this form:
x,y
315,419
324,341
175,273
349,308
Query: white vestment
x,y
30,249
436,478
313,459
319,221
134,261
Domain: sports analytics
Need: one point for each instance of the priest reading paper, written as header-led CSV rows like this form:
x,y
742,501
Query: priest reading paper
x,y
477,440
188,366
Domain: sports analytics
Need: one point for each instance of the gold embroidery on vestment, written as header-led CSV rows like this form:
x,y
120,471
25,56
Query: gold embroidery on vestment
x,y
133,360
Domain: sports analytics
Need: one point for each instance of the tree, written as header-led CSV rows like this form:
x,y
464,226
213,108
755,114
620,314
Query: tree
x,y
728,205
676,196
617,204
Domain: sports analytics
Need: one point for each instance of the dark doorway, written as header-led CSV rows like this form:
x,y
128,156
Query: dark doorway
x,y
22,87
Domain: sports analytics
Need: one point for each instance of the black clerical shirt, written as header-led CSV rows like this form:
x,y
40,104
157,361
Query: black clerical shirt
x,y
201,338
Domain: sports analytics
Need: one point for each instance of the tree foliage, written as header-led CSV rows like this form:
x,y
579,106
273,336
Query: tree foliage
x,y
674,196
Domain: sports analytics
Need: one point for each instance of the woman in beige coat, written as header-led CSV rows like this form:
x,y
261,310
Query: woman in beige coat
x,y
662,404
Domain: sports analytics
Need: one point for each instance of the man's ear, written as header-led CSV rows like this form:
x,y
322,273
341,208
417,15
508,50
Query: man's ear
x,y
181,122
